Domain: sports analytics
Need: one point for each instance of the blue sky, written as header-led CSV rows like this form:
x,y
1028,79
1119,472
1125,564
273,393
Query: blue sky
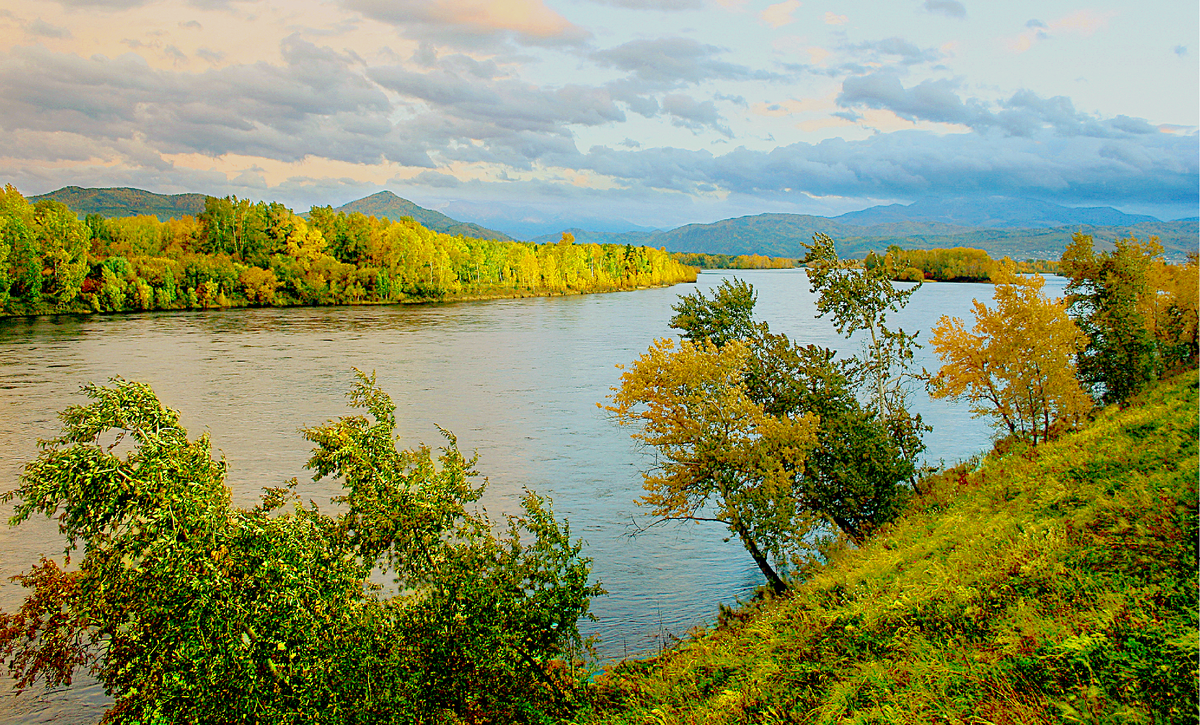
x,y
654,112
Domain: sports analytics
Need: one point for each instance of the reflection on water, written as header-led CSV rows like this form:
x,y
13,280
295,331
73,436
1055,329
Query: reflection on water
x,y
518,380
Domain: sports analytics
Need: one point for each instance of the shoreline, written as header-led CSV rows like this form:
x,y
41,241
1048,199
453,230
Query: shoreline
x,y
515,294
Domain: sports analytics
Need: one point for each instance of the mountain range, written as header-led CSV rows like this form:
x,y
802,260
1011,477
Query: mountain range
x,y
1020,228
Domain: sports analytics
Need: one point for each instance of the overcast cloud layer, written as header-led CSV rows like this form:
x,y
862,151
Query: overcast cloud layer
x,y
660,112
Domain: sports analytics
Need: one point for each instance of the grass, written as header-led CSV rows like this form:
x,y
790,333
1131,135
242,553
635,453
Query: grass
x,y
1051,584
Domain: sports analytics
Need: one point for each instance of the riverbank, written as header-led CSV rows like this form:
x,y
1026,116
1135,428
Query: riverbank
x,y
474,296
1042,585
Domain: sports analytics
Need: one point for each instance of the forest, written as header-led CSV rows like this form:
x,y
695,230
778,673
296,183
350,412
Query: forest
x,y
238,253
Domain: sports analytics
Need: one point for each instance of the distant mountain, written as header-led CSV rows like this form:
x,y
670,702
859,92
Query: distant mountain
x,y
783,235
587,236
529,223
118,202
993,212
386,204
777,235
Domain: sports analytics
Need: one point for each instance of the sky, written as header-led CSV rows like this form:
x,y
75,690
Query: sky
x,y
617,113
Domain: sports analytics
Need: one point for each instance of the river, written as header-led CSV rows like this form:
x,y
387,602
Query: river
x,y
516,380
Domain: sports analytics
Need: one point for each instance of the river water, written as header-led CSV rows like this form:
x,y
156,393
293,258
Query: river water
x,y
516,380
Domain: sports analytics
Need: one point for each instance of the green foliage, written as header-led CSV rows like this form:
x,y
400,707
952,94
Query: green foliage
x,y
859,300
1138,313
727,316
190,610
1045,585
956,264
727,261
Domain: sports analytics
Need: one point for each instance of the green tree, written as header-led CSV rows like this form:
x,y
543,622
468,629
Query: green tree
x,y
190,610
1107,296
728,315
859,300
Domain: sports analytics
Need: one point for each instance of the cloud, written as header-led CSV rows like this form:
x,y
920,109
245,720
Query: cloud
x,y
832,18
780,14
654,4
1159,168
931,100
436,179
1023,114
669,62
689,113
43,29
313,103
530,22
949,8
902,50
1180,50
1082,22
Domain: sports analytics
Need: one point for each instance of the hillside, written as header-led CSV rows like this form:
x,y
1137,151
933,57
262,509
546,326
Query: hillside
x,y
1047,585
784,235
120,202
993,212
386,205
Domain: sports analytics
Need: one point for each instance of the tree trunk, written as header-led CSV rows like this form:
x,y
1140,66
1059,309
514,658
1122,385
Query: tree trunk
x,y
763,565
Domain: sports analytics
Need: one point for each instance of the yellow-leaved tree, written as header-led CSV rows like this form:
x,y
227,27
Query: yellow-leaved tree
x,y
1017,364
721,457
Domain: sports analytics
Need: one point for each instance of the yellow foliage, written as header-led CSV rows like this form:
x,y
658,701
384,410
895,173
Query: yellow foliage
x,y
1017,362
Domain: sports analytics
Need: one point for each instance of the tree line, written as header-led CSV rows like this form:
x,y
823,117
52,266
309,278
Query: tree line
x,y
730,261
954,264
241,253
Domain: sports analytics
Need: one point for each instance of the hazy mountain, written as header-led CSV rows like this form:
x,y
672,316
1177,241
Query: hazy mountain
x,y
524,222
993,212
118,202
587,236
386,204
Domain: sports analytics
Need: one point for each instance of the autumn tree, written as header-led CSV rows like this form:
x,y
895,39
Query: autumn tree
x,y
187,609
1016,363
759,433
721,457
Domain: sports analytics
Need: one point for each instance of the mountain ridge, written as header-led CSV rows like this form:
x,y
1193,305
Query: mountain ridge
x,y
924,224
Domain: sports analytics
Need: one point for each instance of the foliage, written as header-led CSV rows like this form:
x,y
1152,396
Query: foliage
x,y
237,252
1139,314
758,433
721,456
956,264
859,300
727,261
1047,585
1016,363
727,316
190,610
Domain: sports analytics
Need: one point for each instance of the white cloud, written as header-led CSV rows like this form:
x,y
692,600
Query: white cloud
x,y
780,14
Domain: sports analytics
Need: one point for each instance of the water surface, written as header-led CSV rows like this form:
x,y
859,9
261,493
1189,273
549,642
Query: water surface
x,y
516,380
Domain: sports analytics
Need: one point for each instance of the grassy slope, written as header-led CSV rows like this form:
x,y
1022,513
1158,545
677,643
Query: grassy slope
x,y
1050,585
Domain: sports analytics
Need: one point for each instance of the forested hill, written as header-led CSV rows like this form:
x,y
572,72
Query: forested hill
x,y
783,235
119,202
386,205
